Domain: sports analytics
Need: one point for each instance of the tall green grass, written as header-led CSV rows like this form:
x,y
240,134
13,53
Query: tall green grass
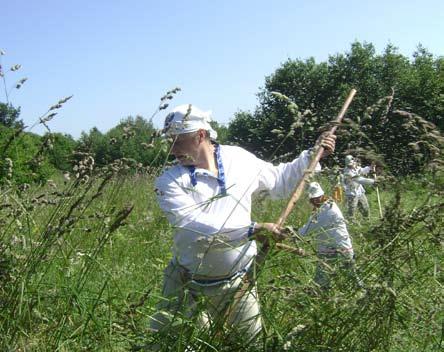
x,y
81,264
81,269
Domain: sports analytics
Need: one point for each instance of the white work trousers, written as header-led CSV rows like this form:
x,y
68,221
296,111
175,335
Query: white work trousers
x,y
359,202
212,306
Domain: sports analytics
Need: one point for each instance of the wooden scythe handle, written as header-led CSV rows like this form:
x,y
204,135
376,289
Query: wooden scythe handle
x,y
314,161
308,172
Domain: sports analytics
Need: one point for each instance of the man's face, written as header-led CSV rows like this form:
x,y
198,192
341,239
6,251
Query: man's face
x,y
317,202
352,164
185,148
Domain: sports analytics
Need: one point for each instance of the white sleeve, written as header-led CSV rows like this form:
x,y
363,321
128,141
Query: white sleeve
x,y
281,180
363,180
364,170
309,227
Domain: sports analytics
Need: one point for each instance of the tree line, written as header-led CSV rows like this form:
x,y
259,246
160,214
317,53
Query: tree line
x,y
396,119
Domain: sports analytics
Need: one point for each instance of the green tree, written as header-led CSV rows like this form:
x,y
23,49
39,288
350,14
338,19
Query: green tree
x,y
133,138
9,116
301,97
23,161
60,155
222,131
425,87
96,143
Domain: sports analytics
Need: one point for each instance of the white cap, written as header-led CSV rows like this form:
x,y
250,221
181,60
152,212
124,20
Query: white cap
x,y
188,118
349,160
315,190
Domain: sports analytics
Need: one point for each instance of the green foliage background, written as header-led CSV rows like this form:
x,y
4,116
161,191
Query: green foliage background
x,y
311,94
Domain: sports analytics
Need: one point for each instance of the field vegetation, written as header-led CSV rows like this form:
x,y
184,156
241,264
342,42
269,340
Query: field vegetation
x,y
83,243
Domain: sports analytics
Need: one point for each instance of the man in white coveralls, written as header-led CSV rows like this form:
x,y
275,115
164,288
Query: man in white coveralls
x,y
207,199
333,243
353,181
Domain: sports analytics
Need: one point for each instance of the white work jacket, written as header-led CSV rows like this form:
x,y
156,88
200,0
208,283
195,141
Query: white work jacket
x,y
353,180
327,225
212,216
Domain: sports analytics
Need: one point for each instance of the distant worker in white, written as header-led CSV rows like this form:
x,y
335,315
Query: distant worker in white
x,y
354,181
333,243
207,199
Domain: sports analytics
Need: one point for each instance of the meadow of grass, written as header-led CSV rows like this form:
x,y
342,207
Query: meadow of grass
x,y
81,269
82,259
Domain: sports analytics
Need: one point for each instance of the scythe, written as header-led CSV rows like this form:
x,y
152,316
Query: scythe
x,y
317,154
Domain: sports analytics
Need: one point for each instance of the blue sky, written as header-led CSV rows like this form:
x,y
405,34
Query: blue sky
x,y
119,57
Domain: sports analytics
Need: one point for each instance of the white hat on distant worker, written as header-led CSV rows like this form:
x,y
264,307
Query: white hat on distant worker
x,y
349,160
315,190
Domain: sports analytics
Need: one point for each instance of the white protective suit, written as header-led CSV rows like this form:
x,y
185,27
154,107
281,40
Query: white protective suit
x,y
354,191
212,215
354,181
327,225
333,243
